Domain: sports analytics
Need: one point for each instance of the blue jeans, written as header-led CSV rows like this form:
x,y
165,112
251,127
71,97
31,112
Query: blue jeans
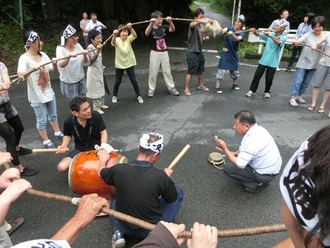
x,y
169,211
302,77
44,111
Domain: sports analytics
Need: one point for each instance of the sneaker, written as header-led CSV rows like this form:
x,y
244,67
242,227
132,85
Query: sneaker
x,y
59,136
266,95
15,224
27,172
293,103
118,240
288,69
235,87
259,188
250,93
101,112
139,99
151,94
49,145
174,92
104,107
299,99
218,90
114,99
23,151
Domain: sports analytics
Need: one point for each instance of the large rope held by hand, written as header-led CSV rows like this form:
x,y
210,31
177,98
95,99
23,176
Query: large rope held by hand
x,y
148,226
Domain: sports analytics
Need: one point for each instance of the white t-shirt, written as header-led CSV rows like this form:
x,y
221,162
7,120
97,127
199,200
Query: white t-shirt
x,y
309,58
307,218
73,72
39,87
91,25
44,243
258,149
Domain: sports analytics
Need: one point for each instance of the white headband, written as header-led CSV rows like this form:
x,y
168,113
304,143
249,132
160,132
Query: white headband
x,y
156,146
68,32
32,37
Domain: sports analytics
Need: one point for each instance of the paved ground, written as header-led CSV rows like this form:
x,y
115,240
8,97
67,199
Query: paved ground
x,y
210,197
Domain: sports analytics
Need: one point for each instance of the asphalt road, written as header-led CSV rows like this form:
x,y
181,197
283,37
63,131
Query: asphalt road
x,y
210,197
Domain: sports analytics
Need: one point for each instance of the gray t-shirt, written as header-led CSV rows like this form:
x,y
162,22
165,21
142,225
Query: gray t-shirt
x,y
195,40
309,58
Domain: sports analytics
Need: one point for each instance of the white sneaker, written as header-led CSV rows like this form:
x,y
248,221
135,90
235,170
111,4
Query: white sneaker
x,y
250,93
299,99
139,99
174,92
114,99
104,107
293,103
267,95
100,111
151,94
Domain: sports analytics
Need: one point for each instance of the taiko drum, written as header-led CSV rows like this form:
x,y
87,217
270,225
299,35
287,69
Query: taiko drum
x,y
83,174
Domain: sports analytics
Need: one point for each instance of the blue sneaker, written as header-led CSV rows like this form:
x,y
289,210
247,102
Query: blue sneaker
x,y
60,136
118,240
49,145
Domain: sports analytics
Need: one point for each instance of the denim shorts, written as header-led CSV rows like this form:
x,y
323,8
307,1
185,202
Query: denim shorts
x,y
7,111
45,111
75,89
196,63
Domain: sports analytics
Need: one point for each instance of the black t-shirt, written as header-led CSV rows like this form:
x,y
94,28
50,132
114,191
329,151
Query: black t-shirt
x,y
138,188
85,138
158,40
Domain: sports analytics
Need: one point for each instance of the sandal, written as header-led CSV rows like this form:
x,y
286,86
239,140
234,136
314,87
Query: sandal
x,y
204,88
321,110
187,93
311,108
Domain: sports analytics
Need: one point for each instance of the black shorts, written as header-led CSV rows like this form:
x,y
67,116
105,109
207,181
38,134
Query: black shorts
x,y
196,63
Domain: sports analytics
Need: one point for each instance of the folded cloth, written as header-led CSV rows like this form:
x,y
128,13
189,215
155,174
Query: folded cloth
x,y
105,146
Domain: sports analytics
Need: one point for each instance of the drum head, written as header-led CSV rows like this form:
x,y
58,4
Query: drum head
x,y
217,159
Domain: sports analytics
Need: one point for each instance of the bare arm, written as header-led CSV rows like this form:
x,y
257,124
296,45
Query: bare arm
x,y
223,146
169,20
6,81
148,29
104,136
65,142
89,207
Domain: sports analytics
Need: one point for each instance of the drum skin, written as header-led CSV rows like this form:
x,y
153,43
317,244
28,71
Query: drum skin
x,y
83,174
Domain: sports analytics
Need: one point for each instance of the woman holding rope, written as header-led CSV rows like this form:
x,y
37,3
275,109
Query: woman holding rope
x,y
307,62
40,92
71,70
11,126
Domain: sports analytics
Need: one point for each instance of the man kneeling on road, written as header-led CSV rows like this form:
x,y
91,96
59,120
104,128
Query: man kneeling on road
x,y
258,160
142,190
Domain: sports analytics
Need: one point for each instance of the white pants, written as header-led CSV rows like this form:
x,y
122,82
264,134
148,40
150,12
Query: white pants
x,y
158,59
98,102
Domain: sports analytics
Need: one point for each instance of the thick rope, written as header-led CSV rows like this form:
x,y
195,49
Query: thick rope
x,y
148,226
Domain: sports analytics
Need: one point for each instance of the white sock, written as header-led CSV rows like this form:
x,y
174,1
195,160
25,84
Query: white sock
x,y
6,226
57,133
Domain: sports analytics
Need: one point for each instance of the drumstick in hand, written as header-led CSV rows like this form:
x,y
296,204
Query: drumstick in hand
x,y
47,150
184,150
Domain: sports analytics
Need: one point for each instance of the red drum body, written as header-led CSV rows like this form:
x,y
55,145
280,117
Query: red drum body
x,y
83,174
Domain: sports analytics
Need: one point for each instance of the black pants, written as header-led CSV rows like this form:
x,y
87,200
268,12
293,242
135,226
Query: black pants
x,y
131,74
11,131
270,72
294,52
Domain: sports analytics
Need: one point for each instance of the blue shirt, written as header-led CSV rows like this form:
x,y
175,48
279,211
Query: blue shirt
x,y
271,53
229,57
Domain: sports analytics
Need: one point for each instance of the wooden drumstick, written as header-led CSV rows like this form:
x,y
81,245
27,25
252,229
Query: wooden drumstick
x,y
146,225
184,150
47,150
